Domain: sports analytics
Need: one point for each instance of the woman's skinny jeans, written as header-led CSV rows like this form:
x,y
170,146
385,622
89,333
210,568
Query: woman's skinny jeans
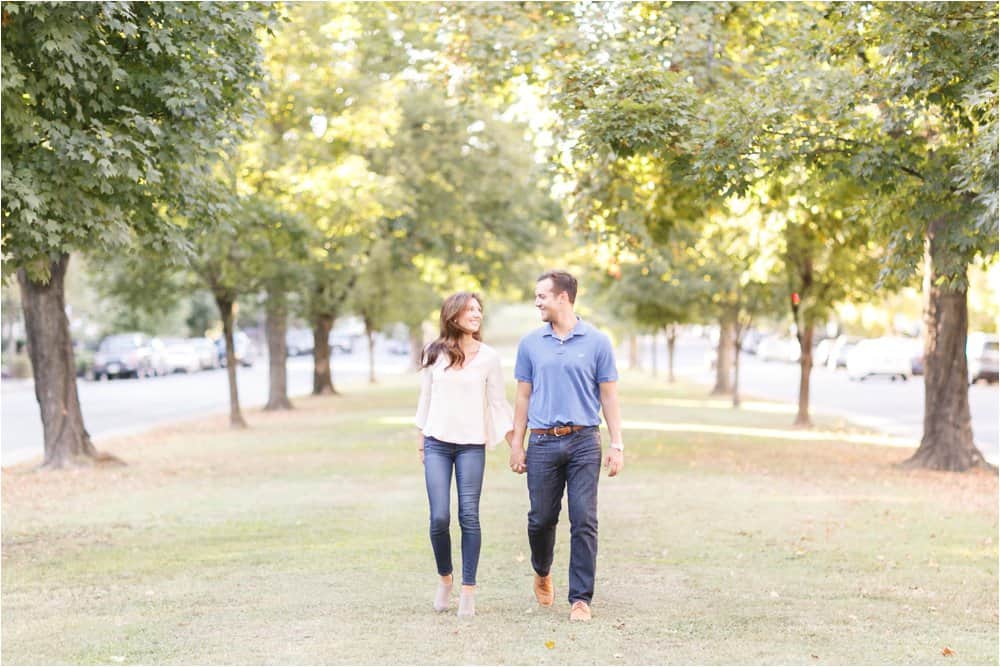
x,y
469,462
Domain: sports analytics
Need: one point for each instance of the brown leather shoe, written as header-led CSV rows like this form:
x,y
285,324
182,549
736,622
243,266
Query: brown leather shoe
x,y
580,611
543,590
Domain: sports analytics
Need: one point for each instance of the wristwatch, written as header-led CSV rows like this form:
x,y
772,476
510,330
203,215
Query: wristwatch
x,y
617,445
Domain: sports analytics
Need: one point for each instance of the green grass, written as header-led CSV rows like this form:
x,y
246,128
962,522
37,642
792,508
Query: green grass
x,y
304,540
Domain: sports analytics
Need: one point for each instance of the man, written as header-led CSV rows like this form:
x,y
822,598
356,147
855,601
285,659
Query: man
x,y
565,373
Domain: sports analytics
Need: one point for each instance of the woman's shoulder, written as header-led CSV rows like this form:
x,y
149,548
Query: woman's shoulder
x,y
489,354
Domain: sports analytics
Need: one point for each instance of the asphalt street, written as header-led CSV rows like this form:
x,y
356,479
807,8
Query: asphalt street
x,y
131,406
895,408
121,407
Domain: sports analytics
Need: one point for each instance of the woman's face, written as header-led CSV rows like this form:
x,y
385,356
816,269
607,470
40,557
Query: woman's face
x,y
471,317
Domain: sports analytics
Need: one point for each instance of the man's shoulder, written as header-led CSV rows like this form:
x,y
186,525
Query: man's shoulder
x,y
535,334
591,330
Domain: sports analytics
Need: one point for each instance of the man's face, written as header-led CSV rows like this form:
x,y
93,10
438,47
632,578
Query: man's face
x,y
546,301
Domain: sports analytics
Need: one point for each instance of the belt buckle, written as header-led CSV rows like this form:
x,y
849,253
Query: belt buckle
x,y
560,431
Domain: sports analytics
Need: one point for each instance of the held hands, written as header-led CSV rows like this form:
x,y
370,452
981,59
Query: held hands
x,y
614,461
517,459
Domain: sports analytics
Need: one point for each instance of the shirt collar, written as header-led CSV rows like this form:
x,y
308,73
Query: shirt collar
x,y
579,329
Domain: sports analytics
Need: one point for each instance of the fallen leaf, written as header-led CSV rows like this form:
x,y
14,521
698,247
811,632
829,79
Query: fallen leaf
x,y
774,594
550,644
618,656
947,651
519,558
815,657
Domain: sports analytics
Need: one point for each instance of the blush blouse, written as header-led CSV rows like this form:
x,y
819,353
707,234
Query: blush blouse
x,y
465,406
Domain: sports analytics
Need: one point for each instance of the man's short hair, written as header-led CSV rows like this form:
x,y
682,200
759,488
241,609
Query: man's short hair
x,y
562,281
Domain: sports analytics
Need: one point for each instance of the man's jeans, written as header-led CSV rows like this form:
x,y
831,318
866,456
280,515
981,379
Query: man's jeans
x,y
572,462
469,462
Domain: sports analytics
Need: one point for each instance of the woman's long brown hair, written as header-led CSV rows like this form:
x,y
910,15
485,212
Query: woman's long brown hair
x,y
449,341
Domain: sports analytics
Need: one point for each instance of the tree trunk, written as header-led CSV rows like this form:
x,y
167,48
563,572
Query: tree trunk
x,y
416,347
277,325
50,349
633,352
322,373
805,372
737,348
371,354
947,442
227,310
724,357
671,341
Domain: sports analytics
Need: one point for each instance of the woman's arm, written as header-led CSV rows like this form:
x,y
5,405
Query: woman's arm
x,y
423,408
499,415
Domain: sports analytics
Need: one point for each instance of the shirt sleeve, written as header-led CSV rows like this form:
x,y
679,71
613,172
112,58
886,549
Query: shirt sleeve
x,y
424,402
499,414
522,367
606,369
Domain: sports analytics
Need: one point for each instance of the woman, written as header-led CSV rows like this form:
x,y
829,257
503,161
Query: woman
x,y
462,408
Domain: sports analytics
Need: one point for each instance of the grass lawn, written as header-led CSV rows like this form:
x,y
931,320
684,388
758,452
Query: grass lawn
x,y
304,540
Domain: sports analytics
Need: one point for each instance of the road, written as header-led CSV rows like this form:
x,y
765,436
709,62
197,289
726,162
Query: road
x,y
130,406
896,408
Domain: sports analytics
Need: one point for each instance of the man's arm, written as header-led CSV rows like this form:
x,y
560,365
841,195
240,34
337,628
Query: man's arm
x,y
614,460
521,399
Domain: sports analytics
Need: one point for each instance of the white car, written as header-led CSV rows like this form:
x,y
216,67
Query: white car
x,y
981,352
208,358
880,356
779,348
180,356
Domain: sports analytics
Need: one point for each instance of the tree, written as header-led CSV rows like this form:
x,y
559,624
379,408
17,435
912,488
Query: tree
x,y
648,295
900,99
827,258
279,241
315,141
104,110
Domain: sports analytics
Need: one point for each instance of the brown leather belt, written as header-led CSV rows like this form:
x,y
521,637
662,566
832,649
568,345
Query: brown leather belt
x,y
557,431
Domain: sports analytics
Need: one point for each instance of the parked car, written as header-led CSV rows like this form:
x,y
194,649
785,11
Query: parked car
x,y
981,353
208,357
779,348
341,342
180,356
159,356
299,342
124,355
242,348
879,356
916,356
842,346
751,341
398,346
821,353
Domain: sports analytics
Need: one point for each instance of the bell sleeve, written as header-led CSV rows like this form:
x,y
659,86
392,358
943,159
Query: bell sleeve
x,y
424,402
499,413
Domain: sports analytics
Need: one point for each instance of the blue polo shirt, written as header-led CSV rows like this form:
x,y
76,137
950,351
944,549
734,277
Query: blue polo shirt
x,y
565,375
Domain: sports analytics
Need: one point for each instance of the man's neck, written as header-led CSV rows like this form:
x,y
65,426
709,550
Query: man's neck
x,y
564,324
